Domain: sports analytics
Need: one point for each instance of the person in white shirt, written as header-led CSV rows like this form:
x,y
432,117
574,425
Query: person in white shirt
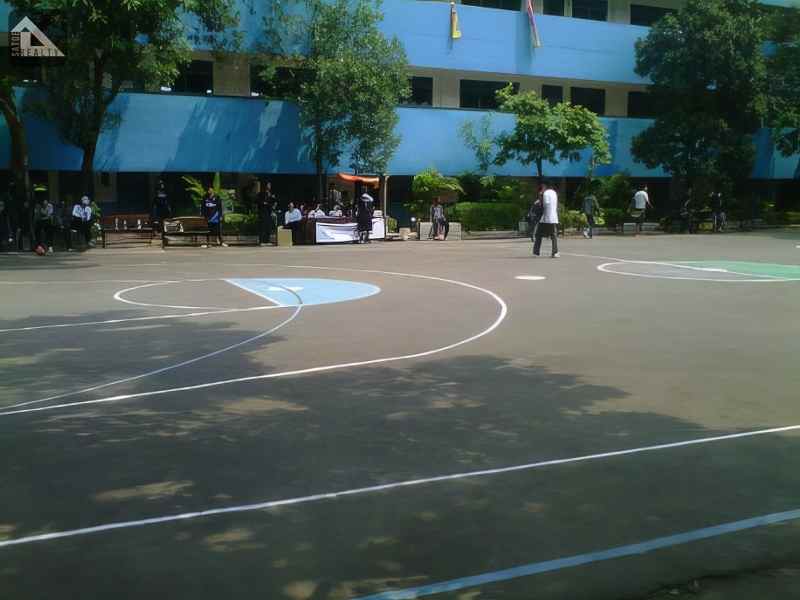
x,y
82,220
548,225
336,212
291,220
640,204
317,212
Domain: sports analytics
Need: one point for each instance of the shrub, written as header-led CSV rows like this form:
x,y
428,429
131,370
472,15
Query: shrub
x,y
486,216
240,224
613,217
391,225
572,219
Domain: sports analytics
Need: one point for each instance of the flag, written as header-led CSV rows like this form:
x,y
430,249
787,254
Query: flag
x,y
454,32
535,39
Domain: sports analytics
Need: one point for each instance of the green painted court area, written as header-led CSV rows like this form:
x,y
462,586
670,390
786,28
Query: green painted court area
x,y
791,272
454,420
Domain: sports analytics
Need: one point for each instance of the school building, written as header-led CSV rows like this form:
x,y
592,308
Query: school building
x,y
216,117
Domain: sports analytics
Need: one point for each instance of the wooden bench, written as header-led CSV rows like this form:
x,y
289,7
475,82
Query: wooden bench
x,y
129,227
185,227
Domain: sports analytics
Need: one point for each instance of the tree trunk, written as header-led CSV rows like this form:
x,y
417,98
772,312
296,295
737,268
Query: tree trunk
x,y
19,156
320,178
87,170
539,171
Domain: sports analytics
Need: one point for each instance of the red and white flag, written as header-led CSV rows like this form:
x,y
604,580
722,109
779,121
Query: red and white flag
x,y
535,39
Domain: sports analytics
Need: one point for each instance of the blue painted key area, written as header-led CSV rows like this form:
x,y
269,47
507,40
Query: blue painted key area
x,y
285,292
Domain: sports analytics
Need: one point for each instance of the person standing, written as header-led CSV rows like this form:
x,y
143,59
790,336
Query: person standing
x,y
364,218
548,226
161,208
590,209
211,208
43,219
641,202
437,220
266,206
334,196
81,221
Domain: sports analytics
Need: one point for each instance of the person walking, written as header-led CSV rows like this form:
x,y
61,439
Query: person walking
x,y
364,218
437,221
161,208
43,220
548,225
212,209
640,204
81,222
266,206
590,209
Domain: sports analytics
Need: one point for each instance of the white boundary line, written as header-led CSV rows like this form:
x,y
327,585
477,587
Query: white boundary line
x,y
118,296
169,368
385,487
605,268
500,318
255,293
151,318
618,261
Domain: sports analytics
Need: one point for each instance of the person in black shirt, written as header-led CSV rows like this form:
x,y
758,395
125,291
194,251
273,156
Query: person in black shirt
x,y
211,208
161,207
266,206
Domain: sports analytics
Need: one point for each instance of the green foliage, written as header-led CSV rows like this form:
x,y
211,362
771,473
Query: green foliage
x,y
197,190
391,225
614,217
241,224
544,133
428,185
572,219
708,71
614,192
103,49
356,77
479,138
784,81
487,216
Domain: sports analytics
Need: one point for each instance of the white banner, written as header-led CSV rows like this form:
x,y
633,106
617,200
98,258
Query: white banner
x,y
333,233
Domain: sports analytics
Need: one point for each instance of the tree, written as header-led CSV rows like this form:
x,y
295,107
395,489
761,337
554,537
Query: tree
x,y
479,138
708,71
356,78
544,133
784,80
427,186
19,144
108,43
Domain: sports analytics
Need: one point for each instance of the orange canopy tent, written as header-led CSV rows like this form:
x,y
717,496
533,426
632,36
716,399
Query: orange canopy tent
x,y
370,181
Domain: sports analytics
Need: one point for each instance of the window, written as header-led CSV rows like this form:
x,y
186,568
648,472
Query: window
x,y
481,94
195,78
596,10
591,98
641,105
503,4
421,91
554,7
553,94
647,15
284,84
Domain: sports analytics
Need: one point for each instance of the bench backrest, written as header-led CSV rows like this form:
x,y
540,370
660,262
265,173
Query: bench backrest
x,y
125,221
185,224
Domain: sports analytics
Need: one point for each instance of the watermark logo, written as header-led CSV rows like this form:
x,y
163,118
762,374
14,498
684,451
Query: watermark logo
x,y
28,41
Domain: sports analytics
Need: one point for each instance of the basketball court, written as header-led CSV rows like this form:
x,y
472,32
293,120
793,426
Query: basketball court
x,y
401,420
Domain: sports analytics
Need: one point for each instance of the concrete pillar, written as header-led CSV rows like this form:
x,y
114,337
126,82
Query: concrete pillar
x,y
616,102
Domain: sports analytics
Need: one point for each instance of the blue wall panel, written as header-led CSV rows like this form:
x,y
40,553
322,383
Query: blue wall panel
x,y
498,41
198,133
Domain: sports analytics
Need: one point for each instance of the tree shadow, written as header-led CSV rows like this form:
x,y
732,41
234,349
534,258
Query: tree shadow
x,y
291,437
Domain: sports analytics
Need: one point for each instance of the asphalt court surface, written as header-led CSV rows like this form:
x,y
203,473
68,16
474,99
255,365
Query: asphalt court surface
x,y
433,360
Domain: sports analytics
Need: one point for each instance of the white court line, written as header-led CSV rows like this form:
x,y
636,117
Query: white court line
x,y
605,269
254,292
385,487
76,282
118,296
500,318
299,306
150,318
